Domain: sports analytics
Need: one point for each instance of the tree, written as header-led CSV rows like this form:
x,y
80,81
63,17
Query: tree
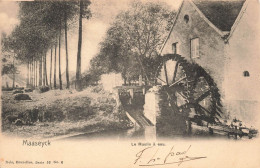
x,y
145,27
41,24
66,47
51,69
33,38
59,58
40,72
83,12
8,45
41,21
7,66
56,15
70,10
13,74
78,70
45,69
55,62
133,41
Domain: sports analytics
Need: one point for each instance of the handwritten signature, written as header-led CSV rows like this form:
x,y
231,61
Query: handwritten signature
x,y
171,157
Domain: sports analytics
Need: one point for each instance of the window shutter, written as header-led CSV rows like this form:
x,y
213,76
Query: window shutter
x,y
195,48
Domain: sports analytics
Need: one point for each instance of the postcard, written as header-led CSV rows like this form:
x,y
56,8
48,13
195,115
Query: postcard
x,y
130,83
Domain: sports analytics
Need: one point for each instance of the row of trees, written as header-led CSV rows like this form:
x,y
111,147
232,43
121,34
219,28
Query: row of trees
x,y
42,24
132,43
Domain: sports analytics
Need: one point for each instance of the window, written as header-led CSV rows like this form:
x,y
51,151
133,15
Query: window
x,y
186,18
195,48
174,48
246,74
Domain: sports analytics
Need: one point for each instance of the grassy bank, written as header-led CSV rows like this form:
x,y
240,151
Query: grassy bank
x,y
64,112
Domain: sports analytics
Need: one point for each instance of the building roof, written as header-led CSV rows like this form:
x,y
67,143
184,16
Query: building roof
x,y
220,13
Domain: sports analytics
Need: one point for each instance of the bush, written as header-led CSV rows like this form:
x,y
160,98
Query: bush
x,y
44,89
11,118
97,89
17,91
28,90
7,89
78,113
22,96
106,107
53,115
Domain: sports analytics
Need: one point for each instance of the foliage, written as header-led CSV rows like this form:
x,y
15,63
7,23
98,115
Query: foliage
x,y
133,41
44,89
22,96
9,69
41,23
8,66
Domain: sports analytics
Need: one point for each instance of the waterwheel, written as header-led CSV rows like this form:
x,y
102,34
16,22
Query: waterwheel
x,y
191,92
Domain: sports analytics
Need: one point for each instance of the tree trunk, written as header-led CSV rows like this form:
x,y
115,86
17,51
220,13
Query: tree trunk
x,y
36,81
30,73
59,58
54,80
143,69
13,74
140,81
67,55
124,75
40,71
51,69
45,69
78,70
34,72
125,81
31,79
27,80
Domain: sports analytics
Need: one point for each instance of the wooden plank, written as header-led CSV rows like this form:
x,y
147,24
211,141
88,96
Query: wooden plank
x,y
165,72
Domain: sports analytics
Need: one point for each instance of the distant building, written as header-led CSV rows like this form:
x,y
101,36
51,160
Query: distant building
x,y
224,38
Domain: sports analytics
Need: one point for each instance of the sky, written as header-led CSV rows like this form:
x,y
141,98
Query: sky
x,y
94,29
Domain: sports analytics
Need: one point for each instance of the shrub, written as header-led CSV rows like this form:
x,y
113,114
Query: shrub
x,y
44,89
7,89
78,113
28,90
22,96
11,118
97,89
17,91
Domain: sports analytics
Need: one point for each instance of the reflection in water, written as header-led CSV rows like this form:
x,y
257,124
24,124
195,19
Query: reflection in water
x,y
111,134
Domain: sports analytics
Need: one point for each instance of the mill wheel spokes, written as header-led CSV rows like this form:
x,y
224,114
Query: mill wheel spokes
x,y
173,79
190,90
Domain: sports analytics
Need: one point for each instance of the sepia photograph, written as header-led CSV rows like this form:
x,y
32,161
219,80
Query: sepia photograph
x,y
152,83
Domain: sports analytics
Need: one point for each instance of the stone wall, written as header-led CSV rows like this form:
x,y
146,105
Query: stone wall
x,y
158,111
243,54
